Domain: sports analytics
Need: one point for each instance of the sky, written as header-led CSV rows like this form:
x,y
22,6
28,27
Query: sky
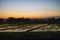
x,y
29,8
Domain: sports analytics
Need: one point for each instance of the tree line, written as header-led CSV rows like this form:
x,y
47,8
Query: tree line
x,y
12,20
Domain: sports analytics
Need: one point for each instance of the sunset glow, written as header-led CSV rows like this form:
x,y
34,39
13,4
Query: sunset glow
x,y
29,8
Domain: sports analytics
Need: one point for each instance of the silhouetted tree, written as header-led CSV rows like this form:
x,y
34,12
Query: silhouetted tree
x,y
1,21
58,21
10,20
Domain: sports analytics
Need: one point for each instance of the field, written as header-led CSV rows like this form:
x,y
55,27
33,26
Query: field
x,y
30,31
29,27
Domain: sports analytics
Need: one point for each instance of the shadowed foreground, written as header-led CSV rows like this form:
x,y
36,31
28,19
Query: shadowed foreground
x,y
31,35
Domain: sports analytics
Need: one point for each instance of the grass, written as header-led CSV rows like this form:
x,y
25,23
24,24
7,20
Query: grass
x,y
52,27
30,35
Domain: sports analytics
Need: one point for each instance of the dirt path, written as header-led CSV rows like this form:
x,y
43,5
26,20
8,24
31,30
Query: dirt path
x,y
36,27
25,29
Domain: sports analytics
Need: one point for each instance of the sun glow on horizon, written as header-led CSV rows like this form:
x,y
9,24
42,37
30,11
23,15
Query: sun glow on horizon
x,y
29,9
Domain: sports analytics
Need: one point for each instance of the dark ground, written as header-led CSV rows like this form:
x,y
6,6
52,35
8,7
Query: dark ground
x,y
30,35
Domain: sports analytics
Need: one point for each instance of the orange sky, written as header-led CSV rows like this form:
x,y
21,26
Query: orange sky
x,y
29,15
30,9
